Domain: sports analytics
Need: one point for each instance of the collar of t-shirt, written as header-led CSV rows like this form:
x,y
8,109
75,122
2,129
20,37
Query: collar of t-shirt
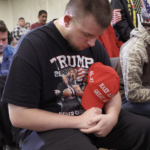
x,y
58,34
1,59
24,30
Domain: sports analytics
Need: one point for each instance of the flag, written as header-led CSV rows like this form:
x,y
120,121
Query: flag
x,y
81,73
116,16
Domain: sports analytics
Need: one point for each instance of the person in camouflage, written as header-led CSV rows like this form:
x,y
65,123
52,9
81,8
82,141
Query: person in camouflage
x,y
134,60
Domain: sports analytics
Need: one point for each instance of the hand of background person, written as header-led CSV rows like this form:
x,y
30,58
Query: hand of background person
x,y
87,116
104,124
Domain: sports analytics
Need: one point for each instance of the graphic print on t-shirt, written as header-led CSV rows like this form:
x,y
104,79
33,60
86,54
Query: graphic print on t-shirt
x,y
70,91
73,69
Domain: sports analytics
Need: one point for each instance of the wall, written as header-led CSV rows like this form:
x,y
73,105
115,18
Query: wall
x,y
6,13
56,8
12,10
29,9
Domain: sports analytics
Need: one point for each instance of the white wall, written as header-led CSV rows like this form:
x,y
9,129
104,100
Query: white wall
x,y
56,8
12,10
29,9
6,13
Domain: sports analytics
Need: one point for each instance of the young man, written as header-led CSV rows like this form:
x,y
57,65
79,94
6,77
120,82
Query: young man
x,y
6,51
28,25
42,16
20,29
9,34
40,60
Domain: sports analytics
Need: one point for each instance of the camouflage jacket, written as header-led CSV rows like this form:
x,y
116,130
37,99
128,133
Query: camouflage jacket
x,y
134,56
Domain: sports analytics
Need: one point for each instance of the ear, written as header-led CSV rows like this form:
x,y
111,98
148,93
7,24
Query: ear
x,y
67,20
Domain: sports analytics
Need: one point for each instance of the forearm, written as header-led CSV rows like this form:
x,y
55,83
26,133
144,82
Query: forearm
x,y
139,95
41,120
113,107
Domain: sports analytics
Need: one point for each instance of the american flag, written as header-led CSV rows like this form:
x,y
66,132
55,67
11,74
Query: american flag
x,y
65,71
147,5
81,74
116,16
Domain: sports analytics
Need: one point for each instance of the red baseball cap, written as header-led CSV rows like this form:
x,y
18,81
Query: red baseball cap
x,y
103,85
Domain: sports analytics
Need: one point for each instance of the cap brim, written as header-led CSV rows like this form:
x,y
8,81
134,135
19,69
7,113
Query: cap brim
x,y
88,100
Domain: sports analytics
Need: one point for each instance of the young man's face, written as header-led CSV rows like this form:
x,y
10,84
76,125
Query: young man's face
x,y
21,23
3,41
42,19
83,33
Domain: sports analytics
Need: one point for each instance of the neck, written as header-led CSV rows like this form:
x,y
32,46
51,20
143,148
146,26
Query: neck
x,y
60,26
21,26
1,54
40,23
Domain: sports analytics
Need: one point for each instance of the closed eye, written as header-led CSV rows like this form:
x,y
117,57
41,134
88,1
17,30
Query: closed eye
x,y
87,35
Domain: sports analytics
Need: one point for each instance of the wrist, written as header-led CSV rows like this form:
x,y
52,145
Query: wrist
x,y
113,118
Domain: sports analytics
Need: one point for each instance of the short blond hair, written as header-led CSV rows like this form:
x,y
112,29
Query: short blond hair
x,y
14,43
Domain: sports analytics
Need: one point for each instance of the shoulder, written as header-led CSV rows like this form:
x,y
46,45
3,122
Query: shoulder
x,y
9,50
133,46
16,27
99,48
100,53
34,24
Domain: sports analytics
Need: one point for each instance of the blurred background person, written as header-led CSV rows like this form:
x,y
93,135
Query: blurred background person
x,y
14,43
6,51
9,34
110,42
28,25
42,16
127,15
20,29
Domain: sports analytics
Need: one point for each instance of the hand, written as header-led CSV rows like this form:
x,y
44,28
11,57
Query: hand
x,y
67,92
84,119
104,124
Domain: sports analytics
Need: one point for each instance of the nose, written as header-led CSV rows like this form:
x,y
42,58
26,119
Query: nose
x,y
91,42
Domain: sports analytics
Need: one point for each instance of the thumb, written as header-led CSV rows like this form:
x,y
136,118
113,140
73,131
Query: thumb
x,y
98,110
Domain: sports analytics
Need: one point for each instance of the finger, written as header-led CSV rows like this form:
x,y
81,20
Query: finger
x,y
97,134
94,120
90,130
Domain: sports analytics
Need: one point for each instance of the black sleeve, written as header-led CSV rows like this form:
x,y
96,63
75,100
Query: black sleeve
x,y
125,25
101,54
23,84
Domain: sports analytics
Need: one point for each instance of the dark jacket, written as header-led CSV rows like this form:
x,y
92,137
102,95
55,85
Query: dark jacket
x,y
123,16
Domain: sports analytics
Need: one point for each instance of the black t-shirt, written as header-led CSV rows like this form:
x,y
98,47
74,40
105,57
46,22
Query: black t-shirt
x,y
46,73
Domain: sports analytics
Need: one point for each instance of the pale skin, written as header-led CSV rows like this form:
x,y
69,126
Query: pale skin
x,y
3,42
83,34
